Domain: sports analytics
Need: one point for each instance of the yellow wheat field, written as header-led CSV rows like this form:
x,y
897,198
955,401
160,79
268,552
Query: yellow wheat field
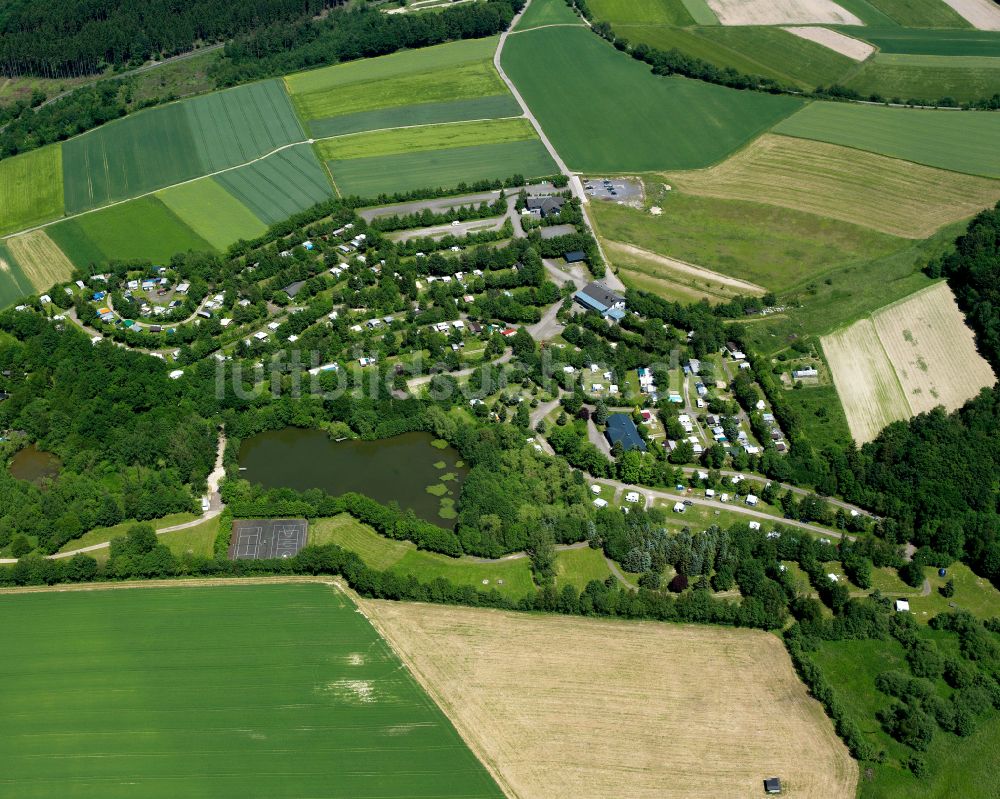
x,y
43,263
572,708
905,359
885,194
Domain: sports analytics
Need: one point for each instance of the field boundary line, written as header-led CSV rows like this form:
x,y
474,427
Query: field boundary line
x,y
550,25
187,582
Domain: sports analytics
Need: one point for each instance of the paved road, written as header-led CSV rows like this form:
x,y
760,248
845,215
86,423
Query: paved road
x,y
440,231
437,204
561,276
548,326
597,439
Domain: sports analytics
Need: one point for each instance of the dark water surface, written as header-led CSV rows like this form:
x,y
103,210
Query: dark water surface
x,y
399,468
34,465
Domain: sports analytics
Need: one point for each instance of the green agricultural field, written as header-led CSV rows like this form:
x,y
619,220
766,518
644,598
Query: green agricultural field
x,y
177,142
31,189
606,112
770,52
493,107
548,12
960,141
369,177
868,14
280,185
955,766
577,567
13,283
921,13
432,137
227,691
641,12
212,212
777,248
143,228
446,83
931,42
927,77
510,577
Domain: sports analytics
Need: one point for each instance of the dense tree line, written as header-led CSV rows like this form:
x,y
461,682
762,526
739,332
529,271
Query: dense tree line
x,y
70,38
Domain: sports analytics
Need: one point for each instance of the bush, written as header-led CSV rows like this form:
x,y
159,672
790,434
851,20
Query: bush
x,y
678,583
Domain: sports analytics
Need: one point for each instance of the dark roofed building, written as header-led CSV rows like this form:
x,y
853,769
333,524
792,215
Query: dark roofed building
x,y
575,257
294,288
598,297
772,785
622,430
545,206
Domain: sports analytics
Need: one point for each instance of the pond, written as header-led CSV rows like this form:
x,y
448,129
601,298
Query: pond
x,y
34,465
414,469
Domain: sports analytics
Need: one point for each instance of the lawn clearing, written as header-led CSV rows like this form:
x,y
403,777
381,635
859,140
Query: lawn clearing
x,y
606,112
100,535
142,228
906,359
780,12
962,142
855,49
577,567
42,262
13,283
401,172
775,248
886,194
983,14
212,212
280,185
668,710
230,691
432,137
31,189
510,577
932,350
198,540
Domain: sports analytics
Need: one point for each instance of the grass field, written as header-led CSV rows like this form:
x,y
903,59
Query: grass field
x,y
606,112
641,12
777,248
280,185
547,12
886,194
905,359
433,137
821,416
41,261
143,228
962,142
920,13
512,577
770,52
176,142
491,107
666,710
13,283
781,12
400,172
276,690
31,189
931,42
197,540
955,766
101,534
577,567
927,77
212,212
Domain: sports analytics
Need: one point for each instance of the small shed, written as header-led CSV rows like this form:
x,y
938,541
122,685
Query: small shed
x,y
772,785
902,606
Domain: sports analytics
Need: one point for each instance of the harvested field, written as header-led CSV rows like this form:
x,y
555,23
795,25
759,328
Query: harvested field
x,y
572,708
781,12
963,142
905,359
885,194
983,14
43,263
855,49
933,350
31,188
866,382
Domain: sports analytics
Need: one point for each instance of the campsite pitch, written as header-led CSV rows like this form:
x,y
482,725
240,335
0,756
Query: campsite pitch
x,y
266,690
563,707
